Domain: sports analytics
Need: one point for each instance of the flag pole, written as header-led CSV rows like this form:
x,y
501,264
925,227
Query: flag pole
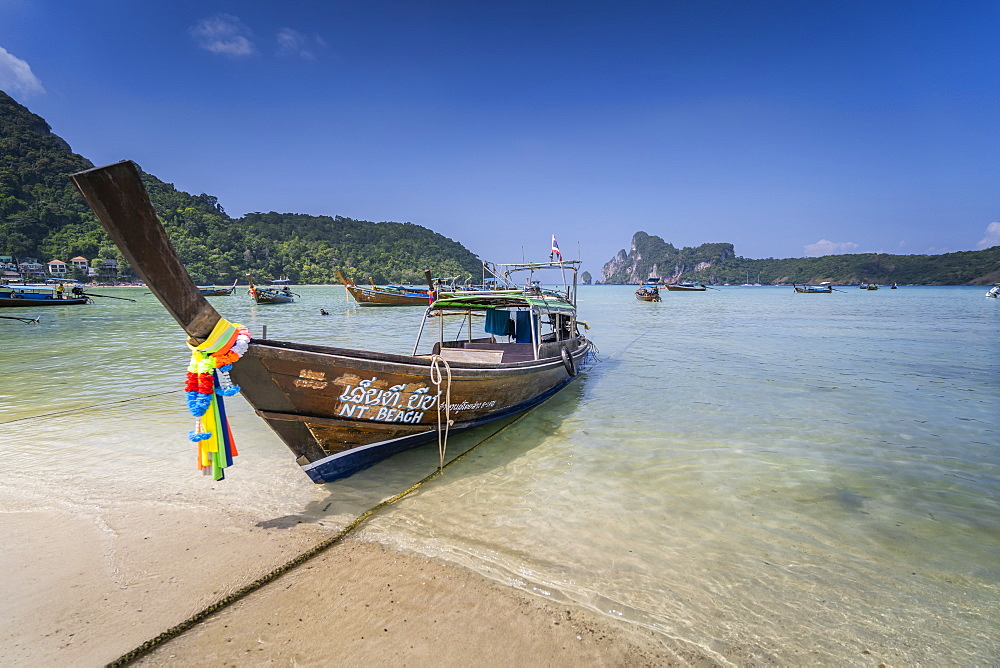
x,y
552,254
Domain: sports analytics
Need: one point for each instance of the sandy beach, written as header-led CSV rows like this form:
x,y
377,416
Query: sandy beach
x,y
82,589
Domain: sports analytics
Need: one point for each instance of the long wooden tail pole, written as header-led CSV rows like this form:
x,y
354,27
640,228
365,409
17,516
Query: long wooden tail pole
x,y
119,200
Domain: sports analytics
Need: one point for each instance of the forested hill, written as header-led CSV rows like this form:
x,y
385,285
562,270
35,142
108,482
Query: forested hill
x,y
38,204
43,217
718,263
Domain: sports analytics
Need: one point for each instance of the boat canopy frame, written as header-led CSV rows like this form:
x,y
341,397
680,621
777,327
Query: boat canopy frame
x,y
538,302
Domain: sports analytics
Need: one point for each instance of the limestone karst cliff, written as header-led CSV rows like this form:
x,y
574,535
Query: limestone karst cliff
x,y
652,256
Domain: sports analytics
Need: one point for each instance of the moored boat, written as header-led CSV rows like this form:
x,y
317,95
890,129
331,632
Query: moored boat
x,y
270,295
649,291
648,295
386,295
822,288
215,291
686,286
341,410
37,295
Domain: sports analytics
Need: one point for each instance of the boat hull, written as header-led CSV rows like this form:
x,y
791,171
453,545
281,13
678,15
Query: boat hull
x,y
270,298
376,297
14,301
340,411
685,288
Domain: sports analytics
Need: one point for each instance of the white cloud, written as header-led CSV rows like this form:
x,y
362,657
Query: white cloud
x,y
223,34
826,247
992,237
16,75
293,43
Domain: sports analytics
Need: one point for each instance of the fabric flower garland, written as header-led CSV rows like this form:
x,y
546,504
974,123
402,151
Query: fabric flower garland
x,y
206,384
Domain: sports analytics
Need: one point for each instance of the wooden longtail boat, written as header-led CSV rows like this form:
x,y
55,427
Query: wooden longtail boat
x,y
814,289
341,410
397,295
648,294
213,291
686,287
386,295
270,295
36,295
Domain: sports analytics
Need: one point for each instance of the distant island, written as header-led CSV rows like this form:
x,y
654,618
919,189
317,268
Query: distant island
x,y
717,263
44,222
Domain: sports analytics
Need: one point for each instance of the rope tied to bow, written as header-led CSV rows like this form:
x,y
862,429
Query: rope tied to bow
x,y
437,379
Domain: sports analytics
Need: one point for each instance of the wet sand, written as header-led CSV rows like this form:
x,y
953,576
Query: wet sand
x,y
84,589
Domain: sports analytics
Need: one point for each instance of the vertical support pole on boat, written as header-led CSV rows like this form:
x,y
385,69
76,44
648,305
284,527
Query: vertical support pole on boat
x,y
575,287
420,332
533,318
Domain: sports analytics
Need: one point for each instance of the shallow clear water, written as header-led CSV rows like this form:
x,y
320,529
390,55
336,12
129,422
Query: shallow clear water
x,y
767,476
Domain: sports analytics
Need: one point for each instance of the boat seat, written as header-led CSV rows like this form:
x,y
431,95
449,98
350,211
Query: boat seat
x,y
512,352
480,356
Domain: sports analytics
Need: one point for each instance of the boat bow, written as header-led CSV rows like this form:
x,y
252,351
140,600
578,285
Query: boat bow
x,y
118,198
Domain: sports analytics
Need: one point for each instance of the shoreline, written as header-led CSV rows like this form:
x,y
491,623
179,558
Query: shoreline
x,y
140,568
362,603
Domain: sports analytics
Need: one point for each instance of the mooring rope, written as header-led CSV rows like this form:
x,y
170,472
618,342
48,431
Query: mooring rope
x,y
630,343
436,362
91,407
246,590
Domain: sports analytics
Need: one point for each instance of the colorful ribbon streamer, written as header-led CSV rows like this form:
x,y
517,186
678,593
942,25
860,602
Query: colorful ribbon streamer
x,y
206,384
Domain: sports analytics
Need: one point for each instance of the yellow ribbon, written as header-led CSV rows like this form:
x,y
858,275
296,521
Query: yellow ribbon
x,y
223,336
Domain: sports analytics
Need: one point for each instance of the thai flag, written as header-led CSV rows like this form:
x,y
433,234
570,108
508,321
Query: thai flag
x,y
556,253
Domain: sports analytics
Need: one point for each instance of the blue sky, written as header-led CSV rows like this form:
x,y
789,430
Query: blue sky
x,y
786,128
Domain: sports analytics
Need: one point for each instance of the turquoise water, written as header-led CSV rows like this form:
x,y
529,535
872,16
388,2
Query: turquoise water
x,y
765,476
